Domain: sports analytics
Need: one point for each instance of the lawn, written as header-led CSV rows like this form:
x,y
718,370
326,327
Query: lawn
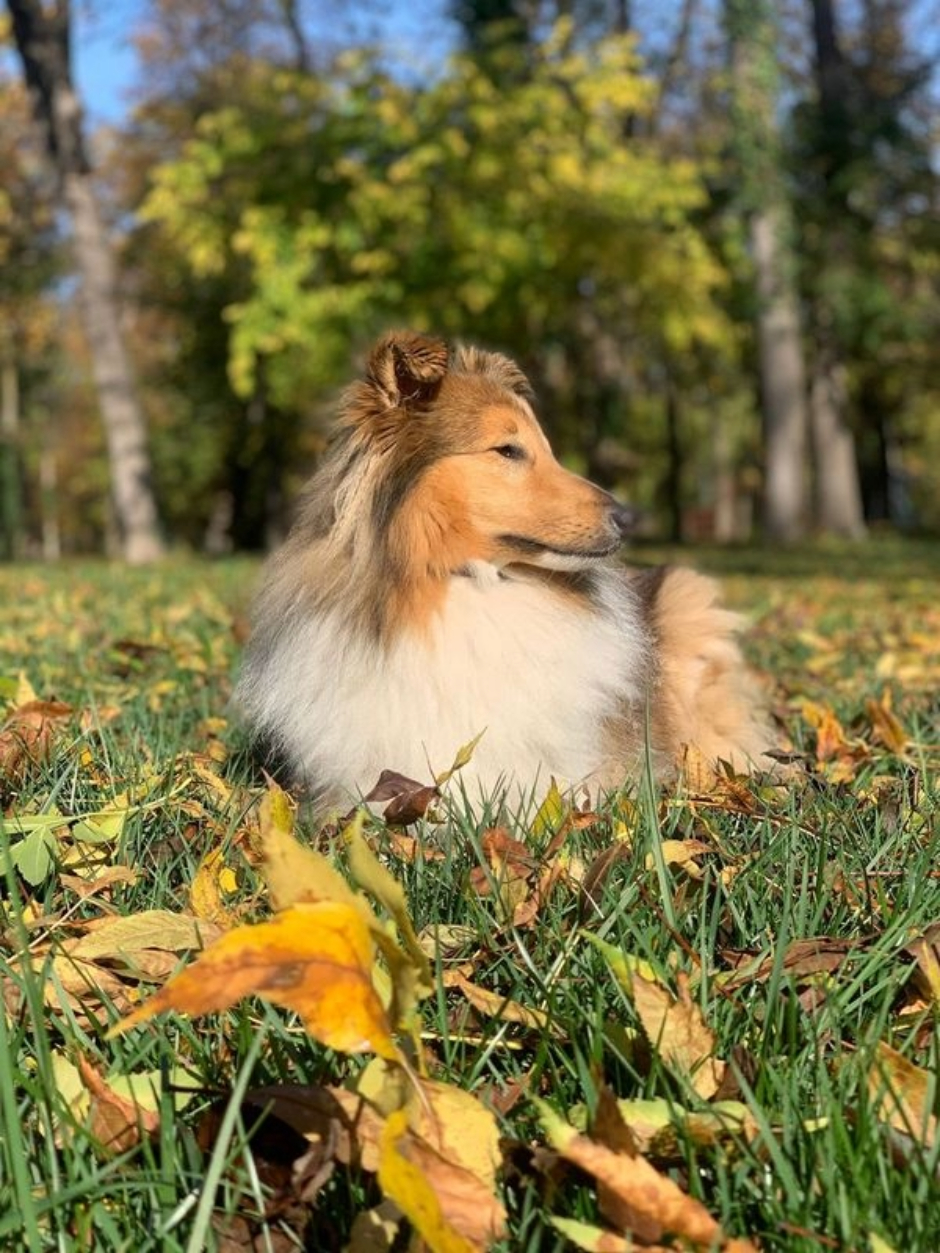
x,y
793,930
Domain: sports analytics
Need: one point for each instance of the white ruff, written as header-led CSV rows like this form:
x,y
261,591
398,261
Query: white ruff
x,y
537,672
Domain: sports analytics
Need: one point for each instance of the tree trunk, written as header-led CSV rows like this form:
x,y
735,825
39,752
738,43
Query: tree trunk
x,y
838,491
752,39
673,479
11,487
839,505
783,381
42,35
125,430
49,499
726,496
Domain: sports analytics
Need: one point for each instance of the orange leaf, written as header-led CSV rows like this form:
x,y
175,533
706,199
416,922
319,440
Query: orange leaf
x,y
118,1122
314,959
655,1203
28,735
884,723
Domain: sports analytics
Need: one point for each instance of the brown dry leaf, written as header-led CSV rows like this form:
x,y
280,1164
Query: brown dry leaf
x,y
609,1129
838,757
314,959
375,1230
885,725
697,770
99,881
83,986
28,735
495,1006
650,1202
340,1122
117,1121
527,911
449,1206
676,1029
408,800
925,951
511,866
802,960
903,1095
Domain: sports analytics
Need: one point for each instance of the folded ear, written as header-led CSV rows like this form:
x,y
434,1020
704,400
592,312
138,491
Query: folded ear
x,y
408,368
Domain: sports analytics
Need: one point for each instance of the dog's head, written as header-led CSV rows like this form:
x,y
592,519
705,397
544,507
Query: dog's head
x,y
465,473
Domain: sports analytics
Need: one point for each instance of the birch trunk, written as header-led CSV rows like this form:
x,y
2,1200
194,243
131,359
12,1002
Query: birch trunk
x,y
752,33
783,381
838,491
43,36
839,506
11,526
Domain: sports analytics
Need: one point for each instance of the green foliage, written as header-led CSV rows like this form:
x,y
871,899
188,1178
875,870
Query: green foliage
x,y
475,207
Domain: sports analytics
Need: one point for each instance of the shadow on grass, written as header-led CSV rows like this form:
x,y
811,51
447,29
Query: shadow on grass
x,y
886,558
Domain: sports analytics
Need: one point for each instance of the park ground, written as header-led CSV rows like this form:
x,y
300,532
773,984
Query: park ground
x,y
802,921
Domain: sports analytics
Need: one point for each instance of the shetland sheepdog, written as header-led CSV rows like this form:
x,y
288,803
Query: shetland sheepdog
x,y
446,576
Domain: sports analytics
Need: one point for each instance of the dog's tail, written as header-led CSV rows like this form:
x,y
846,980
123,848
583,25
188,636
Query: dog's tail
x,y
706,700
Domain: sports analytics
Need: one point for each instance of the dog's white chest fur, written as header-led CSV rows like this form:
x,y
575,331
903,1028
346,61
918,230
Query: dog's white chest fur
x,y
536,672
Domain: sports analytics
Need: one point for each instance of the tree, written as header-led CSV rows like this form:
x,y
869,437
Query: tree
x,y
751,34
42,34
838,492
330,206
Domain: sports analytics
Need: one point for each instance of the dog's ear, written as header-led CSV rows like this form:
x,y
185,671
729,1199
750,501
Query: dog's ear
x,y
408,368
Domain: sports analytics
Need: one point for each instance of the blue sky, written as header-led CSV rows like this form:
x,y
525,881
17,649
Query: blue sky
x,y
105,62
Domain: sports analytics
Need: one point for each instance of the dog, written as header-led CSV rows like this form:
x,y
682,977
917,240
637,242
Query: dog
x,y
447,577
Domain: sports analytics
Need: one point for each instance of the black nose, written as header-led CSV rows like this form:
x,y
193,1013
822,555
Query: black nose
x,y
625,518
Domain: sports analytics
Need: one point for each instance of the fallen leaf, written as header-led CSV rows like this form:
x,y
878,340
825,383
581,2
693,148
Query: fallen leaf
x,y
925,950
123,940
314,959
673,1025
374,1230
408,800
295,874
371,875
119,1120
885,725
801,960
212,877
449,1206
27,737
551,813
903,1095
494,1005
655,1203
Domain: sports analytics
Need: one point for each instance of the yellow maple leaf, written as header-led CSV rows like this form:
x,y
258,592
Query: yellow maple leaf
x,y
314,959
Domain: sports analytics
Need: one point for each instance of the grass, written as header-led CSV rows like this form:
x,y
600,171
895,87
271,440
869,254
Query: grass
x,y
850,850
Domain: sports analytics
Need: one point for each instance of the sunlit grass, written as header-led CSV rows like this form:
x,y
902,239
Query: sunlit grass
x,y
149,656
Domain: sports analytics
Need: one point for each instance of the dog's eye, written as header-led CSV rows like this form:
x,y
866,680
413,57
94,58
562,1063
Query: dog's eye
x,y
512,452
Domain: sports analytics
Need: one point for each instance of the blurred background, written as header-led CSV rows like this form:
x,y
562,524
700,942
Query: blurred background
x,y
709,230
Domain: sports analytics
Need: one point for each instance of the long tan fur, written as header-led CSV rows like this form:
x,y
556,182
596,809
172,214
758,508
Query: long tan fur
x,y
447,576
